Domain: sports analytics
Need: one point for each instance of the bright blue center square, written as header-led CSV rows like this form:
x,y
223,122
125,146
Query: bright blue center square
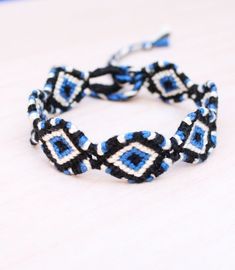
x,y
168,83
67,89
197,137
61,147
134,158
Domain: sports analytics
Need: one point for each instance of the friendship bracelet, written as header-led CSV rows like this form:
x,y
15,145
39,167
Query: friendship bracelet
x,y
137,156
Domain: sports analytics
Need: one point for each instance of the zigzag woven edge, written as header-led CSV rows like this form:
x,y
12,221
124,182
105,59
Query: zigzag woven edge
x,y
136,156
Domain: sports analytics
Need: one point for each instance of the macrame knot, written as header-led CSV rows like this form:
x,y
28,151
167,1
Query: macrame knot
x,y
138,156
129,76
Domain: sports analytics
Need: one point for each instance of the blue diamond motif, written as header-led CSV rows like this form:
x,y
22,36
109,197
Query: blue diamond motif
x,y
197,137
168,83
134,158
67,89
61,147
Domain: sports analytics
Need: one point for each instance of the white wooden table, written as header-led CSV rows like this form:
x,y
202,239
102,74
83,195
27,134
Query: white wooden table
x,y
183,220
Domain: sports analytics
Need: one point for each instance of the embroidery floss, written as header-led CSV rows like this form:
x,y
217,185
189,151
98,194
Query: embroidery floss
x,y
137,156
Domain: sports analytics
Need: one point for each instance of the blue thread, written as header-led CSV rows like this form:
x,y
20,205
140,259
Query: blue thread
x,y
212,106
213,88
48,86
31,97
108,170
214,139
186,80
138,85
192,116
180,134
104,147
58,120
202,110
117,96
123,78
150,178
83,94
82,140
94,94
198,103
67,172
138,76
181,98
212,116
163,143
126,158
164,166
68,125
114,97
82,75
43,116
128,136
43,124
168,83
197,137
162,42
53,70
124,68
146,134
83,167
166,63
151,67
64,150
70,86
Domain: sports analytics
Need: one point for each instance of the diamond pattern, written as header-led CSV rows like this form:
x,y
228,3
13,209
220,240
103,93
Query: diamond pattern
x,y
65,146
67,88
60,146
136,156
168,83
134,159
198,138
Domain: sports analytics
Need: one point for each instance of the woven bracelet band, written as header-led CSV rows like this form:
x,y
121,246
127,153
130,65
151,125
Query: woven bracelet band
x,y
137,156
